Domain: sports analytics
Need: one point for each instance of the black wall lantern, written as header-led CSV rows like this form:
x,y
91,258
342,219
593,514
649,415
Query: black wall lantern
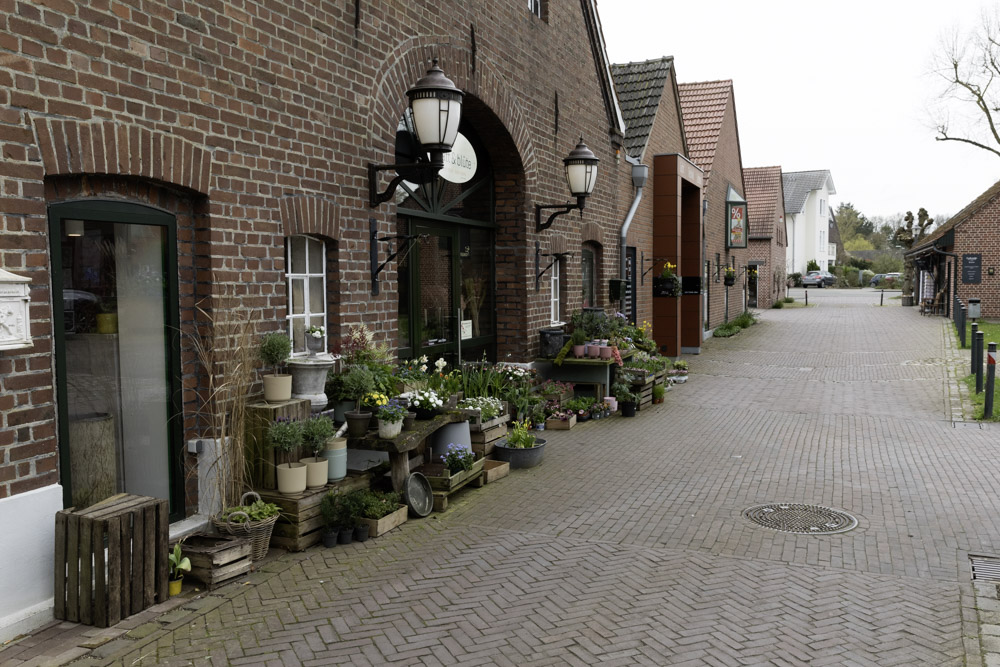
x,y
581,175
436,108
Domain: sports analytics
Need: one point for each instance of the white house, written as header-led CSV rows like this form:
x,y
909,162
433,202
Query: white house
x,y
807,216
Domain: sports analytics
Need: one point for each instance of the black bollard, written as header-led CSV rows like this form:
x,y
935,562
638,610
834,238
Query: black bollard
x,y
977,349
807,297
975,327
881,298
991,371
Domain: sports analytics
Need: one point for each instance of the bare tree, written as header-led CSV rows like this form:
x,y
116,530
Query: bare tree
x,y
907,235
970,65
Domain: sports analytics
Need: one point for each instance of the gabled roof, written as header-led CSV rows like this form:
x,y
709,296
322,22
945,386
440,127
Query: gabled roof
x,y
763,186
640,88
798,185
974,206
596,34
703,106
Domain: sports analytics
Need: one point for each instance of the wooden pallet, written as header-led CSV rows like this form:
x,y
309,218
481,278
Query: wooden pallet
x,y
217,559
110,559
301,525
445,485
260,458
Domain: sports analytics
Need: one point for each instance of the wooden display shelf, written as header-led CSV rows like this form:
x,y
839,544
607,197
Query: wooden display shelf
x,y
301,524
260,458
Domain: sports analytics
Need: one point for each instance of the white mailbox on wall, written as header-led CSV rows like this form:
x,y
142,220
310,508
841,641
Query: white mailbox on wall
x,y
15,325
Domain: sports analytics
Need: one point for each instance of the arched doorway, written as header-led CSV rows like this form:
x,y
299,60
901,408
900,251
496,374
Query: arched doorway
x,y
447,272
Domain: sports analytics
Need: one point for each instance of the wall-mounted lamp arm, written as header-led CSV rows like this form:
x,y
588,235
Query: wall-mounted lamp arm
x,y
375,197
373,250
562,209
539,272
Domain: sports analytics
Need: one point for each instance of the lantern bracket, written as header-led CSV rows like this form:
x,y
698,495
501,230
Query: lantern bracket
x,y
432,166
562,210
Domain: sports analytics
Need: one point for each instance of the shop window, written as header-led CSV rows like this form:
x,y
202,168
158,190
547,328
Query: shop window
x,y
555,301
305,278
588,257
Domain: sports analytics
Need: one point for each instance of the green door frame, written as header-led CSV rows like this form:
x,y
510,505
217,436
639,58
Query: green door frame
x,y
100,210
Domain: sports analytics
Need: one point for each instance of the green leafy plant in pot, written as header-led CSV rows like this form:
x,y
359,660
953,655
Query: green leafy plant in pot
x,y
358,381
626,398
336,518
315,433
285,437
275,349
178,564
521,448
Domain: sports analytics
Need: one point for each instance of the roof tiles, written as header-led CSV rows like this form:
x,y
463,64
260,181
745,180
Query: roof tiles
x,y
764,200
798,184
640,87
703,106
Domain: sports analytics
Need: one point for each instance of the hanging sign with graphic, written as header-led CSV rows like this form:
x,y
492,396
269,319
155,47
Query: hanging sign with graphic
x,y
736,220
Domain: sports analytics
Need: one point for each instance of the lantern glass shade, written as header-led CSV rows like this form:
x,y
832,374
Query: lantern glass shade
x,y
581,170
74,227
436,104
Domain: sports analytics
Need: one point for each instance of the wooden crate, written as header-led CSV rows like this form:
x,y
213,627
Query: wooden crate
x,y
445,485
217,559
260,458
110,559
559,424
493,434
382,526
494,470
301,525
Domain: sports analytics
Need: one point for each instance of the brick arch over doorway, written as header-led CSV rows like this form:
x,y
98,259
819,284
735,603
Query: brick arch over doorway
x,y
105,147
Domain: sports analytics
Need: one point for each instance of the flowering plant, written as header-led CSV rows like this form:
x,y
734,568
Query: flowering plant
x,y
392,412
553,387
426,400
375,399
458,458
489,407
516,374
414,369
562,415
520,437
730,272
316,331
668,270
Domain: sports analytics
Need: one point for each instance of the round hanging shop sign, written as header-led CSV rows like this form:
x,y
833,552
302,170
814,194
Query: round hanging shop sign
x,y
460,163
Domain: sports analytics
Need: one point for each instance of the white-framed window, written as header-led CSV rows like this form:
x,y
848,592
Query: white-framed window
x,y
832,250
822,239
822,206
305,279
536,7
555,307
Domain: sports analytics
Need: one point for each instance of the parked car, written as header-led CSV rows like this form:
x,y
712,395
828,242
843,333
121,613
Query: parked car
x,y
818,279
880,278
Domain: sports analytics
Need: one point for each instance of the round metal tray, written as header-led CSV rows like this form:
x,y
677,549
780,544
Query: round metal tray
x,y
419,495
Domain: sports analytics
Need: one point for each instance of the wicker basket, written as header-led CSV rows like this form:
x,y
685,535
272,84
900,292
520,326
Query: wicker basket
x,y
259,532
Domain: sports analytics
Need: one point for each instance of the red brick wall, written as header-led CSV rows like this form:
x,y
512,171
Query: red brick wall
x,y
980,234
727,169
263,117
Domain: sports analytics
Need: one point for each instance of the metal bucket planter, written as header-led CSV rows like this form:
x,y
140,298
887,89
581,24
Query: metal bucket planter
x,y
520,458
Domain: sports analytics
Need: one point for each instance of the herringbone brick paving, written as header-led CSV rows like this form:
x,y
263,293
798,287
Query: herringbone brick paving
x,y
628,546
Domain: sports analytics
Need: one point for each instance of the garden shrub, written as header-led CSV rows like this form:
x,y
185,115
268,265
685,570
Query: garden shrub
x,y
778,304
745,319
726,330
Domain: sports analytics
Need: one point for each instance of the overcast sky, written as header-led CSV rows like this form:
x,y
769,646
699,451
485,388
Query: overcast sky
x,y
844,86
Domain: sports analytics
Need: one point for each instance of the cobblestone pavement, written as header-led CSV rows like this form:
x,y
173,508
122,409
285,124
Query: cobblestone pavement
x,y
628,545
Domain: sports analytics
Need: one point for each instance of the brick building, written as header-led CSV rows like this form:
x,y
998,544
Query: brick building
x,y
765,203
709,112
670,220
165,163
961,258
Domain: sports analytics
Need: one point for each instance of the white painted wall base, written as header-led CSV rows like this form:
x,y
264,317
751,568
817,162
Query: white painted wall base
x,y
26,597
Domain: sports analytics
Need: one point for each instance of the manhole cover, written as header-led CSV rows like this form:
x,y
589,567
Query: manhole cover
x,y
794,518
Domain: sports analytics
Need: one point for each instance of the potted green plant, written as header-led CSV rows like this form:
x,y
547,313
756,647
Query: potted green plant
x,y
625,397
284,435
358,381
315,339
680,374
275,348
658,393
425,403
382,511
729,276
337,395
390,419
520,448
254,520
315,433
178,564
355,501
336,517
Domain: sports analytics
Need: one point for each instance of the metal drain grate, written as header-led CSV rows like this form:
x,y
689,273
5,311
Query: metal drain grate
x,y
985,568
804,519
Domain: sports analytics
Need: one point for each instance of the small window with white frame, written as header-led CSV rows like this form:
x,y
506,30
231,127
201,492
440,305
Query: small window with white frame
x,y
535,6
305,279
555,310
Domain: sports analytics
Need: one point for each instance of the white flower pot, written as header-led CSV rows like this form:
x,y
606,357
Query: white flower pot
x,y
277,388
292,478
317,471
389,429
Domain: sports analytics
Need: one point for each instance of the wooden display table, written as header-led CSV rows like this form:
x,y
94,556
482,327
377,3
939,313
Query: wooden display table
x,y
598,372
399,448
